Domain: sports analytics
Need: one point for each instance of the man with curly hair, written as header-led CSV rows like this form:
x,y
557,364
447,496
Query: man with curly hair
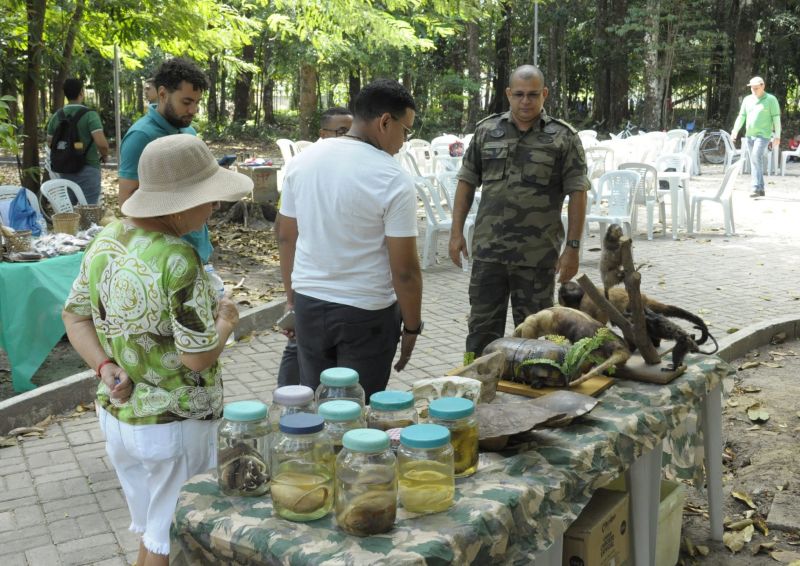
x,y
180,85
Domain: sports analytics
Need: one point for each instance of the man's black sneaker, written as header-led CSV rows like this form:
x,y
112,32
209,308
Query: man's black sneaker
x,y
755,194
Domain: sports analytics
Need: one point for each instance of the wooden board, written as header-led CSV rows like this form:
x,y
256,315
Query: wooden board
x,y
593,387
637,370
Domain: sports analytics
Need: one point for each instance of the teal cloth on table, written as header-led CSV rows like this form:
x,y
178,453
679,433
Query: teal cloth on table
x,y
32,297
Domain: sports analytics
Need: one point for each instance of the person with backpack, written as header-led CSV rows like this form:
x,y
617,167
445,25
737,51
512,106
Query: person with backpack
x,y
77,142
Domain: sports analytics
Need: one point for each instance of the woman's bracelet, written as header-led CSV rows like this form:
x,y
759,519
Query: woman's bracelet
x,y
103,363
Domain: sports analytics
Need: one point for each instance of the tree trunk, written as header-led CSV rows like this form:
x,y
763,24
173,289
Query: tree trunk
x,y
308,99
353,86
611,76
502,50
213,77
474,74
241,91
35,10
66,57
653,82
223,91
267,52
744,38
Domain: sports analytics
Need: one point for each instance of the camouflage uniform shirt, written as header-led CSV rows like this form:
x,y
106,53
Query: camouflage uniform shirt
x,y
525,177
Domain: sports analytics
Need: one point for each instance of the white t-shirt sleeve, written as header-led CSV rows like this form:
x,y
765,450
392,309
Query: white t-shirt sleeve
x,y
287,198
400,219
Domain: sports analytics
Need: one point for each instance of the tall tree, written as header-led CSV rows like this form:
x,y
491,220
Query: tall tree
x,y
308,99
502,66
35,11
241,90
66,55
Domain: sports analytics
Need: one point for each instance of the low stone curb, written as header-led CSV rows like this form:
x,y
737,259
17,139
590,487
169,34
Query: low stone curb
x,y
31,407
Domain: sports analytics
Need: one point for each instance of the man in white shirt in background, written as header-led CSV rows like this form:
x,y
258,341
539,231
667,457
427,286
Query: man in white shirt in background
x,y
348,244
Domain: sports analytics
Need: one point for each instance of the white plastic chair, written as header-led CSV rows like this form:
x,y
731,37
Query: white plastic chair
x,y
437,220
442,160
588,138
723,196
785,155
731,153
302,144
599,160
288,149
676,140
56,191
647,194
691,149
619,187
448,182
9,192
423,155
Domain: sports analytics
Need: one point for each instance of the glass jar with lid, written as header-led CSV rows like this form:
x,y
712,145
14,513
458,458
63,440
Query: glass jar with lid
x,y
302,468
458,415
242,449
366,483
425,468
339,383
340,416
391,409
290,399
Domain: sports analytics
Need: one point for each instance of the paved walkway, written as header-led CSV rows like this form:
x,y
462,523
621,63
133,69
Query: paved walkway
x,y
60,502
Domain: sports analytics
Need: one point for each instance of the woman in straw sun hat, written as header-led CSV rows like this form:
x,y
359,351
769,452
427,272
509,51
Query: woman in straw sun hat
x,y
144,316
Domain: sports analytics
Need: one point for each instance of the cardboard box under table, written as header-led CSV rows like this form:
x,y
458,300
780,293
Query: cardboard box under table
x,y
600,536
514,509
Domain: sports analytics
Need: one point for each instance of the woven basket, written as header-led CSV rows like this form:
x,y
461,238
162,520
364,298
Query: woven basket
x,y
66,222
90,214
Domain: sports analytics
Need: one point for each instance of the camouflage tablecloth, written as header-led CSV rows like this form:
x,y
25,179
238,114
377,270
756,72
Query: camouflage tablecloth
x,y
513,508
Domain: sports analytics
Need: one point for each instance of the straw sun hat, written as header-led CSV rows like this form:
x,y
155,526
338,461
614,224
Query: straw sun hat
x,y
178,172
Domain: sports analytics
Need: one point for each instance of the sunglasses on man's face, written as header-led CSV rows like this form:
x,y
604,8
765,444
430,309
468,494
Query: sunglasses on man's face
x,y
338,131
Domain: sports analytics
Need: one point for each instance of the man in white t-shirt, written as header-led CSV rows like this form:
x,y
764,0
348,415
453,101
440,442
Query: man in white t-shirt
x,y
348,244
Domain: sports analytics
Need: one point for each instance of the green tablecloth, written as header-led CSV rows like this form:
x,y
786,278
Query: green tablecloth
x,y
512,508
32,296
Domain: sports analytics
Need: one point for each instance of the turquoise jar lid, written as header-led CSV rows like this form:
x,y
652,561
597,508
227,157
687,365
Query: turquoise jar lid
x,y
339,377
425,436
301,423
391,400
293,395
339,410
366,440
451,408
244,411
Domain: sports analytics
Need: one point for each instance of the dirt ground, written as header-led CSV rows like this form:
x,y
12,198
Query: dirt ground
x,y
760,460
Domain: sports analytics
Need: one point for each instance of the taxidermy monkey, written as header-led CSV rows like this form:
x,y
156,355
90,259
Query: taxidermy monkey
x,y
660,327
571,295
611,271
574,325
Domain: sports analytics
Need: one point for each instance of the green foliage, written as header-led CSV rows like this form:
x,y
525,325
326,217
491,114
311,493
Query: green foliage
x,y
9,141
583,352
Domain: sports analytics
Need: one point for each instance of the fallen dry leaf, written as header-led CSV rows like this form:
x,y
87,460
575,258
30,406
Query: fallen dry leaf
x,y
757,413
751,389
750,365
738,525
786,556
6,442
736,540
778,338
771,365
762,547
23,430
745,498
702,549
761,524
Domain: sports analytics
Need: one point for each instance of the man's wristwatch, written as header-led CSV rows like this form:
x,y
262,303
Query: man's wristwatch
x,y
574,244
415,331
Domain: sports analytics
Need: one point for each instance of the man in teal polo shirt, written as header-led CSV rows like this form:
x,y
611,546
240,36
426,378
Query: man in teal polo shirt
x,y
761,115
180,85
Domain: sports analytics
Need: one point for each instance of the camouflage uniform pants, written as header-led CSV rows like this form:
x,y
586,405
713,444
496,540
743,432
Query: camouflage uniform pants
x,y
491,285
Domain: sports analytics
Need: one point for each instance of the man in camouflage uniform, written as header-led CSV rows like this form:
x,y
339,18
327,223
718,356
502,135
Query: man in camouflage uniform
x,y
527,163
